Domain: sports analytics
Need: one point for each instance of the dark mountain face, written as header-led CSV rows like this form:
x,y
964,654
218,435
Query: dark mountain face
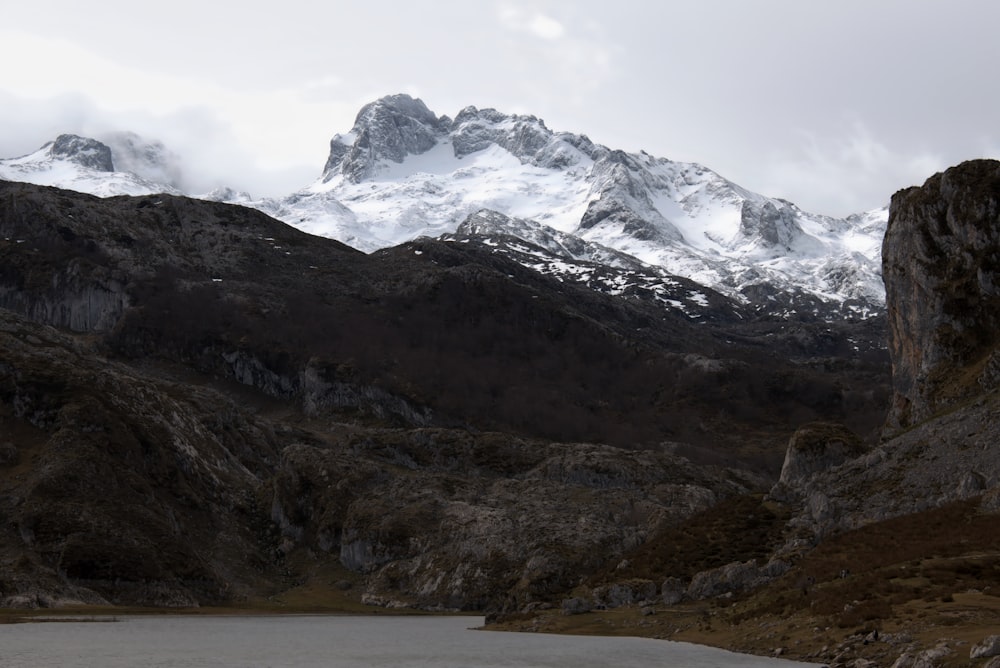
x,y
122,488
454,334
290,386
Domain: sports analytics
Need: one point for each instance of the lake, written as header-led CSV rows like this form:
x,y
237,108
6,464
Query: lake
x,y
313,641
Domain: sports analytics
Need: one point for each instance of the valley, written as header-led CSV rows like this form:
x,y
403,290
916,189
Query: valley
x,y
588,422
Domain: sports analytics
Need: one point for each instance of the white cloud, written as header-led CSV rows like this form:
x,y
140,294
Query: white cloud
x,y
248,139
530,22
845,173
546,27
562,58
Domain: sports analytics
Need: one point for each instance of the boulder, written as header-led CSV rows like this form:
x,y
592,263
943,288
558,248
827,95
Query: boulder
x,y
989,647
813,448
672,591
733,578
625,593
575,606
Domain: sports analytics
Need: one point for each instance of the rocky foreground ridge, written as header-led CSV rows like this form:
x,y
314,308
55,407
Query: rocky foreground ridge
x,y
433,425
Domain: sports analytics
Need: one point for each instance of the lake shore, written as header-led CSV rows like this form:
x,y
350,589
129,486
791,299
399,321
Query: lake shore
x,y
802,636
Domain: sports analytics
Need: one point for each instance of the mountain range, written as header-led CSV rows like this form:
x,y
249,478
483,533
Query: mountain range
x,y
545,420
554,201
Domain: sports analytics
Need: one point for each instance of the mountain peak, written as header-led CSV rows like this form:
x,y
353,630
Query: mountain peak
x,y
122,164
83,151
390,128
402,172
400,104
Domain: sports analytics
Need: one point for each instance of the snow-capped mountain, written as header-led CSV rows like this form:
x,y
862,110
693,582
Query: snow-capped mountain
x,y
403,172
569,259
88,165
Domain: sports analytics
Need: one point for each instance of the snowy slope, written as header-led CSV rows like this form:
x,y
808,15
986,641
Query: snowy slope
x,y
401,172
569,259
87,165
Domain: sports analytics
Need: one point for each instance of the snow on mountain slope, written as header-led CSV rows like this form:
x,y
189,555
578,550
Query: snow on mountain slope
x,y
569,259
82,164
401,172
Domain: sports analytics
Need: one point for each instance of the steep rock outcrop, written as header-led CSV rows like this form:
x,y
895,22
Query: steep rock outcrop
x,y
814,448
83,151
388,129
941,266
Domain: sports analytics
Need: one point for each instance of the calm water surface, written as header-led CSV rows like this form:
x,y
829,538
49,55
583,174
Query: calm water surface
x,y
341,641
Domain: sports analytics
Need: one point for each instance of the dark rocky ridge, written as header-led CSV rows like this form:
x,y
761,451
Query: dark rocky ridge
x,y
389,416
450,331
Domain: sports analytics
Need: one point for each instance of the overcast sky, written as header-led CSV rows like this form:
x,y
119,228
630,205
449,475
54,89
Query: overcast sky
x,y
833,105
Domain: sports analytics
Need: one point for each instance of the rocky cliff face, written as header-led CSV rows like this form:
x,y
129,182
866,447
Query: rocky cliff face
x,y
388,129
83,151
941,259
941,266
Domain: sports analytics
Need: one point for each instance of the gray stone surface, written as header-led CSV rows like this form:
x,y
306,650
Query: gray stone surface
x,y
987,648
941,267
